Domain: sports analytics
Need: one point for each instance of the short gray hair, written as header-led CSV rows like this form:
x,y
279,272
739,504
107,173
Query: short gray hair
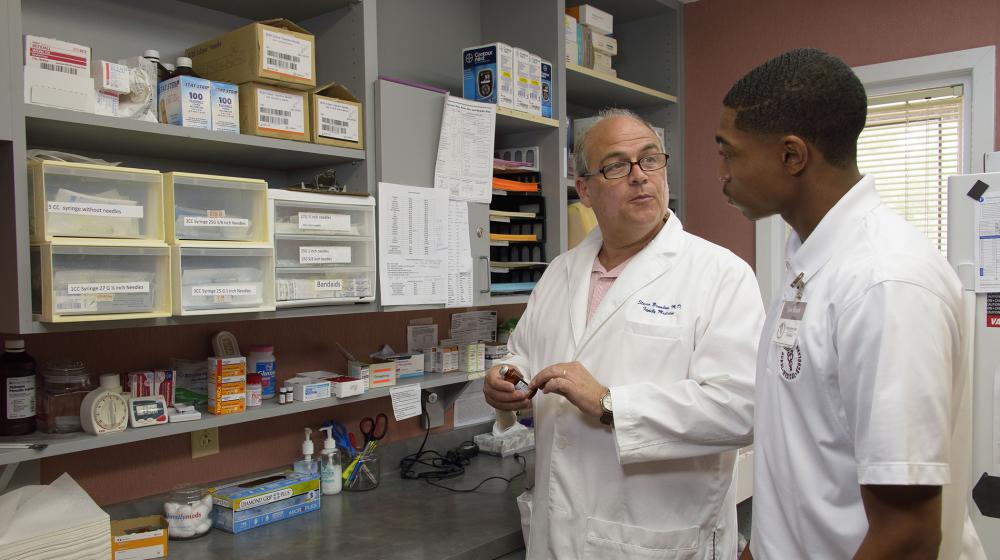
x,y
583,143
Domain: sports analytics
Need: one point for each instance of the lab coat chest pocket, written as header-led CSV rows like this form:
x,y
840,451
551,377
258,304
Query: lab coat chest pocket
x,y
614,540
649,347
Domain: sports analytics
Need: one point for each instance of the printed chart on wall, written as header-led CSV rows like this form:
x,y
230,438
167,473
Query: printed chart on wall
x,y
465,150
413,249
987,252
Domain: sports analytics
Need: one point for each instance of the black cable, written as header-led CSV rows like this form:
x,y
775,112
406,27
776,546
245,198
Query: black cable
x,y
450,465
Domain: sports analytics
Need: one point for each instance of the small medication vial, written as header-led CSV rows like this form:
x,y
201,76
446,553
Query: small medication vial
x,y
512,376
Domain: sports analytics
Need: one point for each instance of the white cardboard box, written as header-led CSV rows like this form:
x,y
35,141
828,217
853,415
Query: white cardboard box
x,y
522,80
55,89
535,83
589,15
569,28
56,56
225,107
186,101
111,77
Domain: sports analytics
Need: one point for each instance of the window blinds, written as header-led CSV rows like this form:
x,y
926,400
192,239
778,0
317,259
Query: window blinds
x,y
911,143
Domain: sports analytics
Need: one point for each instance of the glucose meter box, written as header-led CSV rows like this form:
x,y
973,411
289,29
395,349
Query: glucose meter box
x,y
488,74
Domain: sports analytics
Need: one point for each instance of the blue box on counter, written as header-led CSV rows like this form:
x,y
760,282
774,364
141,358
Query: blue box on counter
x,y
247,505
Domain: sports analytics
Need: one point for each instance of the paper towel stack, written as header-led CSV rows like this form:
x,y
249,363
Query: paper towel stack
x,y
54,522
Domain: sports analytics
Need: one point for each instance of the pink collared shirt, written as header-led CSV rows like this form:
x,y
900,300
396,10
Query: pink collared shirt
x,y
600,282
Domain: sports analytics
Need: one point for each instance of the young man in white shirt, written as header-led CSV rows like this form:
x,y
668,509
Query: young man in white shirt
x,y
640,341
861,350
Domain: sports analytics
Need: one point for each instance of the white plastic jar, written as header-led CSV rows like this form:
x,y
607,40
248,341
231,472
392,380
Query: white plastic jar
x,y
189,513
261,360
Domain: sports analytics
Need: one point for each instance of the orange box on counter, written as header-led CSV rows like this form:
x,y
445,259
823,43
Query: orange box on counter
x,y
139,538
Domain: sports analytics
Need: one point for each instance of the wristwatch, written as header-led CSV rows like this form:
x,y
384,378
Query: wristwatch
x,y
607,415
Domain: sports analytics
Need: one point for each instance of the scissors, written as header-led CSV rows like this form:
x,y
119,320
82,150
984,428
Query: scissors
x,y
370,427
344,438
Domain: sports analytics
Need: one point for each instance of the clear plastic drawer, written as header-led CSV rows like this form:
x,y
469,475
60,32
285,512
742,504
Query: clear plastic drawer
x,y
214,208
329,252
83,200
208,280
301,213
86,283
324,287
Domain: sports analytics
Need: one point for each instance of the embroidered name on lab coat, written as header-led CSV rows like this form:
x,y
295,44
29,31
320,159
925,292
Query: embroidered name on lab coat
x,y
659,309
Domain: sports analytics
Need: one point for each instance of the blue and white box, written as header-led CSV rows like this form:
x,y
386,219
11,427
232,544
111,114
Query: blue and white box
x,y
186,101
243,506
488,74
546,88
535,84
225,107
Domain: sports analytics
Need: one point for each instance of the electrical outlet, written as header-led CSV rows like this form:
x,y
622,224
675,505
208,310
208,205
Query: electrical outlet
x,y
204,442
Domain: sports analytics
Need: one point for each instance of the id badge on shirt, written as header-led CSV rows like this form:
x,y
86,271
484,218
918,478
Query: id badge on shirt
x,y
787,329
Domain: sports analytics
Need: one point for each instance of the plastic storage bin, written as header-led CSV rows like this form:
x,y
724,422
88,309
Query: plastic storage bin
x,y
305,213
83,200
223,280
88,283
210,208
324,286
311,251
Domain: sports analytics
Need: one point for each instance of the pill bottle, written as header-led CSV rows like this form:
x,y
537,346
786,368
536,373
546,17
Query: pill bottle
x,y
183,67
253,389
261,360
17,379
189,512
511,375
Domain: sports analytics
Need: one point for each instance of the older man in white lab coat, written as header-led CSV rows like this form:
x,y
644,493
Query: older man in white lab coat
x,y
642,343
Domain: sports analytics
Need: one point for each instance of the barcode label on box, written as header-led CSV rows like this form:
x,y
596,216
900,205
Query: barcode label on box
x,y
287,55
66,304
108,288
324,222
229,290
280,111
324,255
87,209
336,285
206,221
337,119
59,68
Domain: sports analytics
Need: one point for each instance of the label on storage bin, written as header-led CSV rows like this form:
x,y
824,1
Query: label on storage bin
x,y
324,222
324,255
215,221
88,209
287,54
328,285
229,290
337,119
108,288
280,111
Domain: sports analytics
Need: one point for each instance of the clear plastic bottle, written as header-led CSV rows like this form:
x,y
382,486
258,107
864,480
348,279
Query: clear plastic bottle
x,y
330,467
188,511
183,67
65,383
307,465
17,377
153,56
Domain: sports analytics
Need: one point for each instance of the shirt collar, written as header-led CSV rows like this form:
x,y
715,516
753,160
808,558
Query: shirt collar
x,y
613,273
831,232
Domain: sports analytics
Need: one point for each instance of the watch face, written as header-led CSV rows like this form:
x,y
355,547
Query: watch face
x,y
606,401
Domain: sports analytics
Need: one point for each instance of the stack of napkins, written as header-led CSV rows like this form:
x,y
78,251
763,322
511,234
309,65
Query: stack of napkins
x,y
54,522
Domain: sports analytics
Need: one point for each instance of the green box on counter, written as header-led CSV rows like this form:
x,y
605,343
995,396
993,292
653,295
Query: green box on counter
x,y
246,505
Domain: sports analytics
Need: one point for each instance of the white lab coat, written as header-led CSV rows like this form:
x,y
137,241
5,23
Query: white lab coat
x,y
675,340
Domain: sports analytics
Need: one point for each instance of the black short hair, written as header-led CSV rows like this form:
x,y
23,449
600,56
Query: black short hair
x,y
805,92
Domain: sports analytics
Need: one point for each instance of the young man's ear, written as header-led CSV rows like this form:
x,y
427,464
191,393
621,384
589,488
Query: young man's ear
x,y
795,154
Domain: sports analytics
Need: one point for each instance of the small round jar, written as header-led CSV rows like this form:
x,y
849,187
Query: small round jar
x,y
65,383
189,513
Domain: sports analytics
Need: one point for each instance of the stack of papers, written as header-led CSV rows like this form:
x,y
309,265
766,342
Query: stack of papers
x,y
54,522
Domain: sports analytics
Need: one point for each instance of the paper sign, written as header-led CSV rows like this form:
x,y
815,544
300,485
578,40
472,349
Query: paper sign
x,y
88,209
406,401
324,222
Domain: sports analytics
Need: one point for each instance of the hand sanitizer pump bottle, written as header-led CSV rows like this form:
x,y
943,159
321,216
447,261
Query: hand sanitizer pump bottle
x,y
331,472
307,464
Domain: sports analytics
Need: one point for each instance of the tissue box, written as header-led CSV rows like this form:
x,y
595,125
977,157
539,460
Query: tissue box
x,y
139,538
309,389
247,505
505,445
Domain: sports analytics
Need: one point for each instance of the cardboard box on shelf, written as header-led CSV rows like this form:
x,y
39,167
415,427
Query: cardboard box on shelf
x,y
274,112
111,77
569,28
488,74
589,15
186,101
273,51
336,117
603,43
57,74
225,107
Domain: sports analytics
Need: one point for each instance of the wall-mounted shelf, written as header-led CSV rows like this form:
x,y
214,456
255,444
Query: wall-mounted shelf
x,y
593,89
510,121
295,10
66,130
60,444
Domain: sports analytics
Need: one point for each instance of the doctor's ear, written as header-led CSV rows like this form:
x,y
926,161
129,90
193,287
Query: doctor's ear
x,y
794,154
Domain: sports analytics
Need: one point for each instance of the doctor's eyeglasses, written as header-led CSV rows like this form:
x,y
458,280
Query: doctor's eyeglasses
x,y
620,169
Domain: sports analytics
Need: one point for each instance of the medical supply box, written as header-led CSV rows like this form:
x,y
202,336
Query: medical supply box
x,y
274,112
57,74
308,389
546,78
408,364
185,101
86,200
336,117
213,280
216,208
225,107
274,51
382,374
96,283
247,505
324,248
488,74
227,384
139,538
589,15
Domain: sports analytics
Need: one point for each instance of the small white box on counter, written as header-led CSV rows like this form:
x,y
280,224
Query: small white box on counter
x,y
307,389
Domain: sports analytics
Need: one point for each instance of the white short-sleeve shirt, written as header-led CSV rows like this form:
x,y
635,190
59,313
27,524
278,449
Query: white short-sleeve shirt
x,y
863,396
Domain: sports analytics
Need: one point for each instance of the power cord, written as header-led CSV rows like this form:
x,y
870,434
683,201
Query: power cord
x,y
450,465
